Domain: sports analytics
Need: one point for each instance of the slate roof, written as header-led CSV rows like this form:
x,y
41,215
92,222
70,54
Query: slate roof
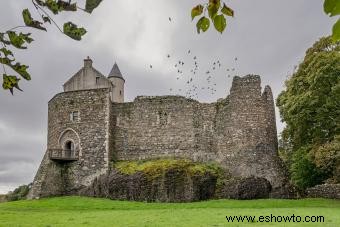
x,y
115,72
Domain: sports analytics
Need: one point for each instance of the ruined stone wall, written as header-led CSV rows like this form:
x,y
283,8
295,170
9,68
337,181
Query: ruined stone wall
x,y
168,126
246,132
90,134
239,132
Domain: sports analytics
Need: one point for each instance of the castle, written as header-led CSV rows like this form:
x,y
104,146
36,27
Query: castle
x,y
90,126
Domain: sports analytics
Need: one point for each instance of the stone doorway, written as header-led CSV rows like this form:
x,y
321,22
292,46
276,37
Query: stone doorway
x,y
69,149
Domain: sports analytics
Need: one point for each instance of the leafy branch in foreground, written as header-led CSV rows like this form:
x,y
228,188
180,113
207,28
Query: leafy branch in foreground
x,y
216,14
12,39
332,8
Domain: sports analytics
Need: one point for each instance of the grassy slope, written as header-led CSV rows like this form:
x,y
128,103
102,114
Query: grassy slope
x,y
77,211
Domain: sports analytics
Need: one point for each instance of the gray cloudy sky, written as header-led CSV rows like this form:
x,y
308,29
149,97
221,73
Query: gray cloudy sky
x,y
268,37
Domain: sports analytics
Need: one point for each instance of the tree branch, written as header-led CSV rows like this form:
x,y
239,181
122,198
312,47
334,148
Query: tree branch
x,y
38,7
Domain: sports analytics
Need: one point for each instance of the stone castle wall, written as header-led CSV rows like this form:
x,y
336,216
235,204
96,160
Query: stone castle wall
x,y
89,134
246,132
238,132
168,126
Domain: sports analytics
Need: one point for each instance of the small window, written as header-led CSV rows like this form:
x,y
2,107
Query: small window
x,y
74,116
97,80
163,118
120,92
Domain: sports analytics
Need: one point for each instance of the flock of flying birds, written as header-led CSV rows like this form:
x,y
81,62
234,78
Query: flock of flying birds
x,y
191,75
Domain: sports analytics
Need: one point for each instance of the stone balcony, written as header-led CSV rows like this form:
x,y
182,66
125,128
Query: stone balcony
x,y
62,155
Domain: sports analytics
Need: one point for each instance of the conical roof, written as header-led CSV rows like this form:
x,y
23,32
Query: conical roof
x,y
115,72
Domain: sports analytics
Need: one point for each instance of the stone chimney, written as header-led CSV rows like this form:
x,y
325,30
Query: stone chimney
x,y
88,62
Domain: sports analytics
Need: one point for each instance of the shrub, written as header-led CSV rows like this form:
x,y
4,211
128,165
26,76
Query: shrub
x,y
303,171
19,193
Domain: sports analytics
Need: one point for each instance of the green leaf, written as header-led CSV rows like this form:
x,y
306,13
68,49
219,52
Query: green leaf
x,y
220,23
10,82
203,24
213,8
6,52
227,11
73,31
196,11
3,40
91,5
6,61
19,40
336,31
52,5
30,22
332,7
67,6
21,70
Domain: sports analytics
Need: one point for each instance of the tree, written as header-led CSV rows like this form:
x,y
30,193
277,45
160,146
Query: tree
x,y
310,107
12,39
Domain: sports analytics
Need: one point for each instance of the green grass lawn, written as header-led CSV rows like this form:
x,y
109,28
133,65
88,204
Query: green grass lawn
x,y
80,211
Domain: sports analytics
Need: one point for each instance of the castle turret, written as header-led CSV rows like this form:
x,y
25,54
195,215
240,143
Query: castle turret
x,y
246,131
115,76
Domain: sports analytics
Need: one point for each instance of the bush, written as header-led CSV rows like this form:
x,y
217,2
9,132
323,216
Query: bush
x,y
327,158
19,193
303,171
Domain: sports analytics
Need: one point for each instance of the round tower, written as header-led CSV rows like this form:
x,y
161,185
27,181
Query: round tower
x,y
115,76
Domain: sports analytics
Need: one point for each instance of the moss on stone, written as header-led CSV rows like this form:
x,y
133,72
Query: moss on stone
x,y
157,168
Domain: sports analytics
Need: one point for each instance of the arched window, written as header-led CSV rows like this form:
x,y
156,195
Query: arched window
x,y
69,149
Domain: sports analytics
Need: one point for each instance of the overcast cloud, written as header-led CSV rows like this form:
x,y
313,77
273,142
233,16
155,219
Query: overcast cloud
x,y
268,37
